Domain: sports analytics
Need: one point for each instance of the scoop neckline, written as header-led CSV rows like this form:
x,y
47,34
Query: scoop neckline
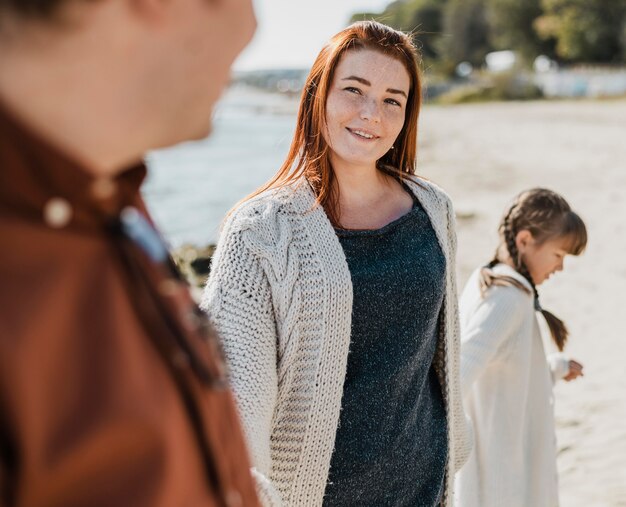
x,y
385,228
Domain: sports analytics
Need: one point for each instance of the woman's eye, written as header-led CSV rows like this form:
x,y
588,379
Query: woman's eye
x,y
352,89
393,102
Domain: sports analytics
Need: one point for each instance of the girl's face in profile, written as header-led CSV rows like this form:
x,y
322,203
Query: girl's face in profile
x,y
365,108
545,259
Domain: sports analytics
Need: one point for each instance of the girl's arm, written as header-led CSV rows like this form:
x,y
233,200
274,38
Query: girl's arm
x,y
495,321
238,300
559,365
562,367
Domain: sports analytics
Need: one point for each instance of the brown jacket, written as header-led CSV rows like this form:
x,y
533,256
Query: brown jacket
x,y
112,389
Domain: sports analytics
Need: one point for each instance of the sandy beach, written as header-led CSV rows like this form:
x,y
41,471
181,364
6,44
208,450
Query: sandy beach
x,y
483,155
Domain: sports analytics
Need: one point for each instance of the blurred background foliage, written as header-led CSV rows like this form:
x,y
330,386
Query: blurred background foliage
x,y
453,31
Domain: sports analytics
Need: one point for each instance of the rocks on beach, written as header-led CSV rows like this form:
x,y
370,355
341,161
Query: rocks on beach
x,y
195,265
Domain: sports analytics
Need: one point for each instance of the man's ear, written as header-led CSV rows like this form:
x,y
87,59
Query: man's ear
x,y
523,240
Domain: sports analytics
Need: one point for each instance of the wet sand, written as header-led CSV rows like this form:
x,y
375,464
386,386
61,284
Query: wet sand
x,y
483,155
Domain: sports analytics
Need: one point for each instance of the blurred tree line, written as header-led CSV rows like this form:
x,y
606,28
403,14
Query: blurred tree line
x,y
452,31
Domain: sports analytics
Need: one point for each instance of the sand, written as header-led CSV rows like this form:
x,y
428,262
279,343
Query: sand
x,y
483,155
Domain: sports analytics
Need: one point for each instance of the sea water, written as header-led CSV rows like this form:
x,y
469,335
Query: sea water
x,y
190,187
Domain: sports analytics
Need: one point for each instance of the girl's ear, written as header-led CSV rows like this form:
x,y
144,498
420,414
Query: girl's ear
x,y
523,240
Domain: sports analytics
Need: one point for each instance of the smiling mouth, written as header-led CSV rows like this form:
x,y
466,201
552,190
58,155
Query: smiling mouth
x,y
362,134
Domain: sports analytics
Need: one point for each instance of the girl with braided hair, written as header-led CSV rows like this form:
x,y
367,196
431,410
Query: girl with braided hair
x,y
506,376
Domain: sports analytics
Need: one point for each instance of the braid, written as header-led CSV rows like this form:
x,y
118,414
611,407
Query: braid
x,y
508,233
487,276
493,262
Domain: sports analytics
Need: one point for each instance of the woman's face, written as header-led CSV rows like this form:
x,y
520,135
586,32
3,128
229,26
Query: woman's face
x,y
365,108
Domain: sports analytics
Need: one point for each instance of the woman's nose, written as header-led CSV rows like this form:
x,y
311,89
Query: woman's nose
x,y
370,111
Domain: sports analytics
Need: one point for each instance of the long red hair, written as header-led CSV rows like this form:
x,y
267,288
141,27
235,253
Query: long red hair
x,y
309,154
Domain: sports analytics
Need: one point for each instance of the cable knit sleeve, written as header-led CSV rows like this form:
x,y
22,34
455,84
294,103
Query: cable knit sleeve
x,y
239,302
495,320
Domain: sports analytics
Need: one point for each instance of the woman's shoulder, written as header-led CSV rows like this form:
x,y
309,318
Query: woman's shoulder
x,y
266,206
259,203
265,224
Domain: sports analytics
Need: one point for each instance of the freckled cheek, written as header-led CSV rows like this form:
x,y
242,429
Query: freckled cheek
x,y
340,111
394,121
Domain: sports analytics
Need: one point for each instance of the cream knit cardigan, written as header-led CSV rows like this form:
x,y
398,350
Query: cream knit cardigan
x,y
280,295
507,387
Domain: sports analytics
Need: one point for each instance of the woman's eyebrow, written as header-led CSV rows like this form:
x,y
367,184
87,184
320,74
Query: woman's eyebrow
x,y
367,83
359,79
398,92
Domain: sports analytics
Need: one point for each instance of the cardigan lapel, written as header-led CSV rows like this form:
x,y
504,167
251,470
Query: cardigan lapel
x,y
334,341
433,207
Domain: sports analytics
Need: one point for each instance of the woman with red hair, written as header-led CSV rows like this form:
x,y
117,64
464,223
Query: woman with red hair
x,y
333,288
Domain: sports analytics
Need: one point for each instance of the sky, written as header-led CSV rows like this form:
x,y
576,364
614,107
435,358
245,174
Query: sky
x,y
290,33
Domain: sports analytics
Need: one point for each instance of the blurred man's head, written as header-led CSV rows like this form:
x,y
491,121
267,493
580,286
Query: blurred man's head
x,y
157,65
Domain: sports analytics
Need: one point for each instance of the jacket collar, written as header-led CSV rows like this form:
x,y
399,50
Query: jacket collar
x,y
41,183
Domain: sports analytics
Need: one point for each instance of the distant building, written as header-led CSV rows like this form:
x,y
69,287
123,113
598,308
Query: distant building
x,y
500,61
583,82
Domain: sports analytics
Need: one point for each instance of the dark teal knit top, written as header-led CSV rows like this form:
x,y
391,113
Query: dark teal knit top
x,y
391,444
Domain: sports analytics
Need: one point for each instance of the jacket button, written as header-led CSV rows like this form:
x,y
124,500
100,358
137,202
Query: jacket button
x,y
57,212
